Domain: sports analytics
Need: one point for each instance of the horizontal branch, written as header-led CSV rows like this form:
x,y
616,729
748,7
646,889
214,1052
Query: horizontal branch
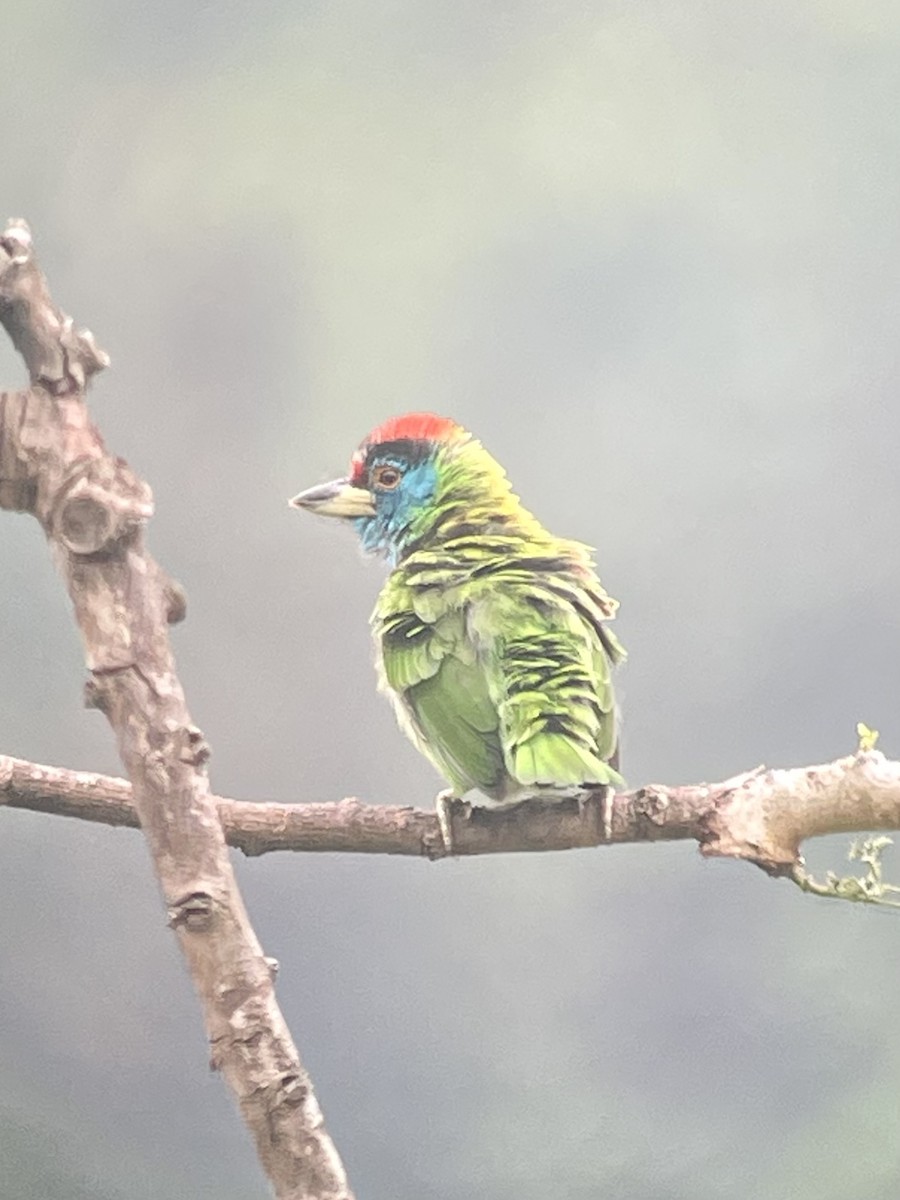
x,y
762,816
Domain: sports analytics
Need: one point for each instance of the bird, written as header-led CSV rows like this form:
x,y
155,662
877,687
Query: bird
x,y
491,636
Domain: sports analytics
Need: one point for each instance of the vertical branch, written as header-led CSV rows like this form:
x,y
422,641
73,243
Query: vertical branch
x,y
93,509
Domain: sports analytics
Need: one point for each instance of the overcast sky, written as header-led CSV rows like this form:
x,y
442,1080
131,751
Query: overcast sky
x,y
649,253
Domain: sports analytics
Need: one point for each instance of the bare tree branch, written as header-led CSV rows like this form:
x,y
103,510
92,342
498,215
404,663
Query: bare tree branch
x,y
761,816
93,509
53,464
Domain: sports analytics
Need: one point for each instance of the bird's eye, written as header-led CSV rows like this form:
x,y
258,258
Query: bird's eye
x,y
386,476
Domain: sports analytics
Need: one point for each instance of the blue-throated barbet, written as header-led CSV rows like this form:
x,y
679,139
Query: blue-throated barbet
x,y
490,633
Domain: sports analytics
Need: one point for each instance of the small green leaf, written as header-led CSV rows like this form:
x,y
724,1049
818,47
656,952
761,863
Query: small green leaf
x,y
868,738
866,889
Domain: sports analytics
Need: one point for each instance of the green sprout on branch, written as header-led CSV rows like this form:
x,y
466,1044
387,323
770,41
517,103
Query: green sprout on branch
x,y
868,738
865,889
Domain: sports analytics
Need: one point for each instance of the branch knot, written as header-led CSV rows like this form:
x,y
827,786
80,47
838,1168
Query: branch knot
x,y
193,912
100,504
651,805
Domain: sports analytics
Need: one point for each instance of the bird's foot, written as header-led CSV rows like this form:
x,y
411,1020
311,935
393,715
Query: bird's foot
x,y
595,810
443,803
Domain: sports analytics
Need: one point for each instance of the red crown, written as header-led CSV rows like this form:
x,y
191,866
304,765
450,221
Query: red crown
x,y
414,427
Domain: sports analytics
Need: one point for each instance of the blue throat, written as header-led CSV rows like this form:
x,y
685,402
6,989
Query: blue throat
x,y
389,531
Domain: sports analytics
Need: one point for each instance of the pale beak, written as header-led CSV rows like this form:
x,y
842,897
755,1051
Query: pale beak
x,y
340,498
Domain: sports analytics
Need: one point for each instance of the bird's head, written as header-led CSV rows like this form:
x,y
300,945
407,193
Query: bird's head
x,y
410,476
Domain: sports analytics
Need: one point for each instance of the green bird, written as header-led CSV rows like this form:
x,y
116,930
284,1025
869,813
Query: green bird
x,y
490,632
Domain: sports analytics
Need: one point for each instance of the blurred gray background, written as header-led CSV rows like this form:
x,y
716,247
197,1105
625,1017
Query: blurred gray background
x,y
650,253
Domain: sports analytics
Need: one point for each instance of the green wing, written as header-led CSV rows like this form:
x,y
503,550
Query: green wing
x,y
549,668
501,673
438,688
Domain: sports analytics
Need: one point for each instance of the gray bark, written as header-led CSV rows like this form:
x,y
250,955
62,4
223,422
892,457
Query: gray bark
x,y
762,817
93,509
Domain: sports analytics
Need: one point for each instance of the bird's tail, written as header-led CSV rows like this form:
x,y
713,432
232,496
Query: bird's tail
x,y
554,760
